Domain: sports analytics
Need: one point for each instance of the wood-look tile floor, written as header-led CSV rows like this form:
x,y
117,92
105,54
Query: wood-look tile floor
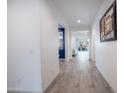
x,y
79,76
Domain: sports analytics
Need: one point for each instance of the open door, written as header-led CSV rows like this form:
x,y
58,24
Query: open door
x,y
61,43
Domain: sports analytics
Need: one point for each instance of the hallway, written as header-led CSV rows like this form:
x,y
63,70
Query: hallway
x,y
42,32
79,76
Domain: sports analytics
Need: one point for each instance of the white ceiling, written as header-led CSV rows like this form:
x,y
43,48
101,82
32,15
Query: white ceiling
x,y
73,10
83,35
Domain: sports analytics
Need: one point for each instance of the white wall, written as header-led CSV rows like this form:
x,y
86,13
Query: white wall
x,y
73,42
62,21
92,46
24,64
32,45
49,44
106,52
67,44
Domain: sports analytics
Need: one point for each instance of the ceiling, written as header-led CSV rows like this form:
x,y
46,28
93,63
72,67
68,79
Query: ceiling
x,y
83,10
81,35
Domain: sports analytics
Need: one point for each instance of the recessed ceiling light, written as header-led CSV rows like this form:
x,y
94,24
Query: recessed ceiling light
x,y
78,21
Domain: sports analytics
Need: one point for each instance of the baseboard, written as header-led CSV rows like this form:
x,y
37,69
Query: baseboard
x,y
61,60
51,84
19,90
105,80
14,89
65,60
69,60
91,60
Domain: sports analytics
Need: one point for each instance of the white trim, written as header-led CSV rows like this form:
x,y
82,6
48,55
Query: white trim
x,y
20,90
14,89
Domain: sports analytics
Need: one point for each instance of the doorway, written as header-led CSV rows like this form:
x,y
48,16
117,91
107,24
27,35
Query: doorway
x,y
80,42
61,43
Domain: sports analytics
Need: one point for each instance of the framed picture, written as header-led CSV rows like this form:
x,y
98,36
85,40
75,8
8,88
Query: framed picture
x,y
108,24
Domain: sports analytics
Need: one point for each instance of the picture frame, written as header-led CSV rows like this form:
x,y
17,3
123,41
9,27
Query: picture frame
x,y
108,24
